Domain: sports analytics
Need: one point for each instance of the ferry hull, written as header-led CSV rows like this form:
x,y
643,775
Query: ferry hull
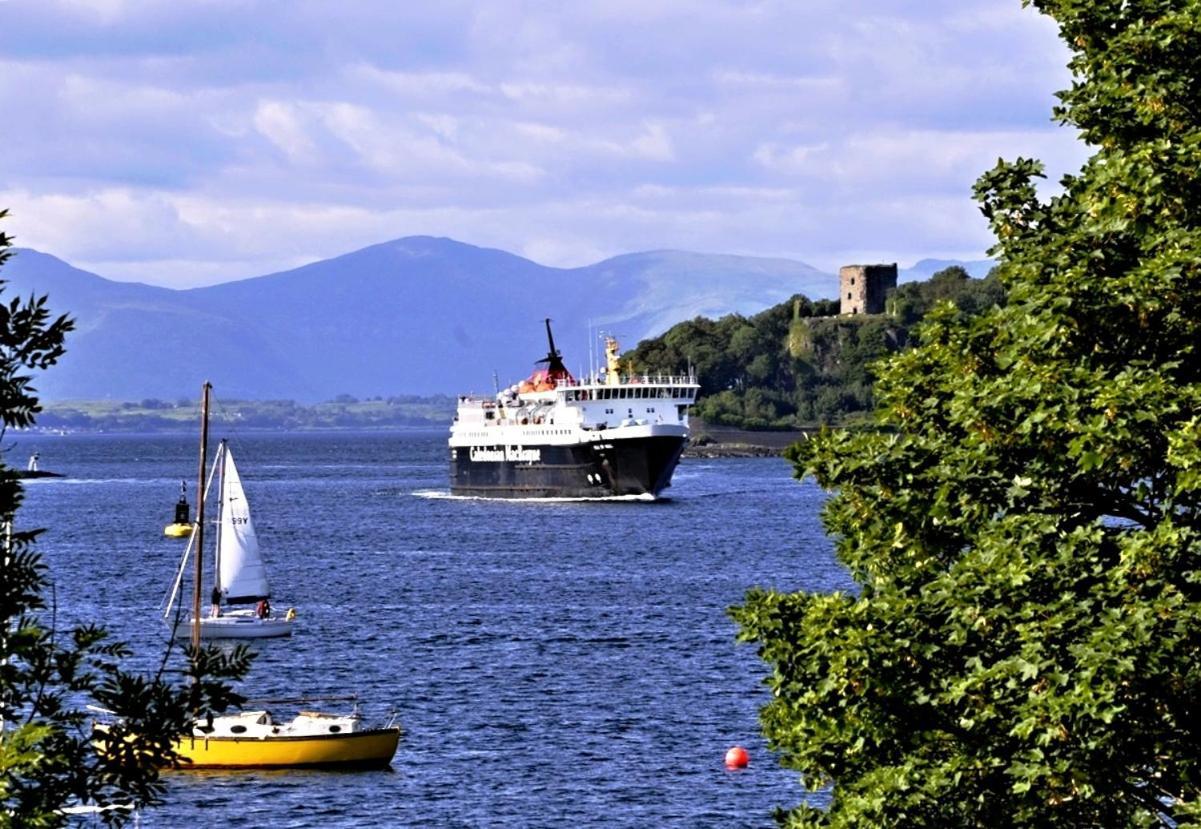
x,y
629,466
360,749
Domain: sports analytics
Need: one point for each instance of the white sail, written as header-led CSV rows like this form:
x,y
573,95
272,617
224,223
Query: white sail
x,y
243,577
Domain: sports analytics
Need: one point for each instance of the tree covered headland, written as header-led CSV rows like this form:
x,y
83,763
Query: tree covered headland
x,y
798,363
1025,645
49,756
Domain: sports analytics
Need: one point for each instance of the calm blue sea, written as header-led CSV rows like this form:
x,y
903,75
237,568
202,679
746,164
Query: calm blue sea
x,y
552,664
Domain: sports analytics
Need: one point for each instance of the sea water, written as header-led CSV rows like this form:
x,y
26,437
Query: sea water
x,y
552,664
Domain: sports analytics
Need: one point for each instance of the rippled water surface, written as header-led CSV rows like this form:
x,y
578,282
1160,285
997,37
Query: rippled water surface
x,y
552,663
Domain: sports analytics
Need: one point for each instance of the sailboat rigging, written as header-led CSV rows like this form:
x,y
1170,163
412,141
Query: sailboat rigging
x,y
241,593
256,739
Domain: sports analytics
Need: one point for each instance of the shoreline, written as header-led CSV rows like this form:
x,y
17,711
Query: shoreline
x,y
714,441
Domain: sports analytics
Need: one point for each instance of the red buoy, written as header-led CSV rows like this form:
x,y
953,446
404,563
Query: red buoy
x,y
737,758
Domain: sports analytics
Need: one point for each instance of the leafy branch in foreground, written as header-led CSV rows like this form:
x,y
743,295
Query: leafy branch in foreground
x,y
1025,648
49,756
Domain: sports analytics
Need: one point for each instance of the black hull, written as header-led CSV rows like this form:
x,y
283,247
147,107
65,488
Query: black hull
x,y
629,466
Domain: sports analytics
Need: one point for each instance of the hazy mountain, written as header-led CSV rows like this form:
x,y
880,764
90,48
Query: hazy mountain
x,y
676,285
417,315
926,268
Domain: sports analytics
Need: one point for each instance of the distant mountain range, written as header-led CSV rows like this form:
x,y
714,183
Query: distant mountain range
x,y
418,315
926,268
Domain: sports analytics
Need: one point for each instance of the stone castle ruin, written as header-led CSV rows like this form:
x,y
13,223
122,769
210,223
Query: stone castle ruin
x,y
863,288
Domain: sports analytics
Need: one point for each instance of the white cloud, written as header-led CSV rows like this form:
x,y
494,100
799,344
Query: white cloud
x,y
795,159
106,10
186,141
444,126
541,132
419,84
913,162
761,80
654,144
558,93
425,146
281,124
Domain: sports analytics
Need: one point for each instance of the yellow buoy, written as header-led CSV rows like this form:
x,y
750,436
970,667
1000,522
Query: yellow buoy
x,y
177,530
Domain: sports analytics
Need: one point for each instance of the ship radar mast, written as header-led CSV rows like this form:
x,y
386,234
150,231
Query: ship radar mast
x,y
555,368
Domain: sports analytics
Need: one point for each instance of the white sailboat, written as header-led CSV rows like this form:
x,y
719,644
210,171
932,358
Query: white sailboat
x,y
241,594
256,739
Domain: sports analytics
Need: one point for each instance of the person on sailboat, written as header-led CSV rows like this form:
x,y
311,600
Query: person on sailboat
x,y
33,462
263,609
216,597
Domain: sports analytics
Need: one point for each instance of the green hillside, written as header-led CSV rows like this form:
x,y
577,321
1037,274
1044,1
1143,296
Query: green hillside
x,y
799,364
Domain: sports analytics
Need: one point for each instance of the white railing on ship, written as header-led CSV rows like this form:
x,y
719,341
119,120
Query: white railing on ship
x,y
601,383
633,380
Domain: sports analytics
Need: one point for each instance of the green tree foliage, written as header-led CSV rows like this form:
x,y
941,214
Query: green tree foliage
x,y
748,374
911,302
1024,649
798,363
49,757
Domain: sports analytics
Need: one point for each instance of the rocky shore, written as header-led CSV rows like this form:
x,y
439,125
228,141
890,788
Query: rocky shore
x,y
712,441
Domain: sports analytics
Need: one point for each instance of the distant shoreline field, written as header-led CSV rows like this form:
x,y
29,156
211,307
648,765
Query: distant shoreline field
x,y
154,416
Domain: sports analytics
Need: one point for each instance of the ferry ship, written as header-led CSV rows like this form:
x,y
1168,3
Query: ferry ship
x,y
553,436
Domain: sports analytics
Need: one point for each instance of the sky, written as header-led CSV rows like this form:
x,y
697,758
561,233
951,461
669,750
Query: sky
x,y
189,142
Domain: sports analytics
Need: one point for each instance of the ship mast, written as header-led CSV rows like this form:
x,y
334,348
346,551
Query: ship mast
x,y
199,571
554,360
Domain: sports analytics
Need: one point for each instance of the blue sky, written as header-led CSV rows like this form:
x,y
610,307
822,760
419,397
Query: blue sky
x,y
185,143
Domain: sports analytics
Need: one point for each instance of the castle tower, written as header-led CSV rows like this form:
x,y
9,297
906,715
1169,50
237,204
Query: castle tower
x,y
862,288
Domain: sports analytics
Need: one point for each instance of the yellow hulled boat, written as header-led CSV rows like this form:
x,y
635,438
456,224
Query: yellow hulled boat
x,y
253,740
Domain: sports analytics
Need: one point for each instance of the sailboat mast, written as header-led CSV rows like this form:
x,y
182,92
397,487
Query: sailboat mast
x,y
220,518
204,454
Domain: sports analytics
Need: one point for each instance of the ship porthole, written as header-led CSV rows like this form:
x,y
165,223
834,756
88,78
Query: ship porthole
x,y
237,729
334,729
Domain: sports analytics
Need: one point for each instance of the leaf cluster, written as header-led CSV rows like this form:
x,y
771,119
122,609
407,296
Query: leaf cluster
x,y
1026,528
50,754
